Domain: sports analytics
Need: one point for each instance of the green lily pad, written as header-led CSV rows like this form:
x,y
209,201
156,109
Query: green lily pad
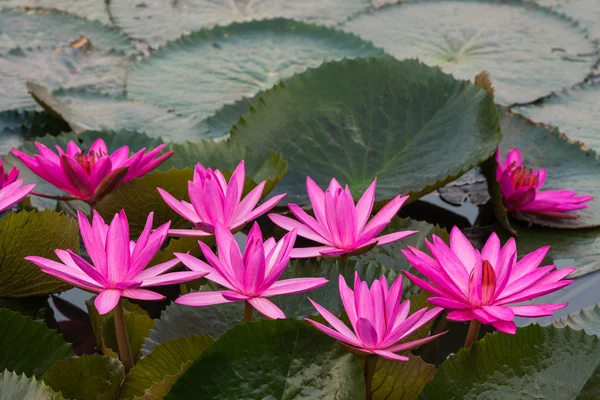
x,y
15,386
68,68
574,112
85,110
44,28
390,124
401,380
528,50
537,362
89,377
296,361
224,119
28,346
567,164
91,9
37,308
19,126
585,12
33,234
167,362
588,320
199,73
161,21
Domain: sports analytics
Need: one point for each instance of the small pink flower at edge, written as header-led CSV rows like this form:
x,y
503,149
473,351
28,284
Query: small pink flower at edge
x,y
339,224
214,200
91,176
251,276
12,190
379,319
520,188
118,266
483,285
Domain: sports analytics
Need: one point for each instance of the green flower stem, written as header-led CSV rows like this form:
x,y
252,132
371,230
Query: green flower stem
x,y
473,333
370,362
247,312
122,339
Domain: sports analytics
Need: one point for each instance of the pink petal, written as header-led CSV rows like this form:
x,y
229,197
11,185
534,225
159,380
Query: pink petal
x,y
537,310
248,203
13,193
179,207
117,250
93,244
309,252
266,307
448,303
295,285
461,315
188,233
505,326
500,312
333,333
535,291
463,249
317,199
76,175
347,297
200,299
107,300
483,316
365,206
392,237
390,356
260,210
338,325
382,218
413,344
451,265
309,221
172,278
142,294
234,296
88,269
426,286
491,250
366,333
528,263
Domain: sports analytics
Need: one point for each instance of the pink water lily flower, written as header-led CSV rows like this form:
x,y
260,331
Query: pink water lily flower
x,y
90,177
251,276
484,286
520,188
339,224
12,190
214,200
378,317
118,266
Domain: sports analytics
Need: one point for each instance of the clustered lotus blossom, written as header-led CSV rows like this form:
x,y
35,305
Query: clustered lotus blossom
x,y
378,317
485,285
118,266
12,190
251,276
520,188
213,200
340,225
90,177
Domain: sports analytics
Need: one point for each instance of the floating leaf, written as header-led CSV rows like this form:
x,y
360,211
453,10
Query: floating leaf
x,y
471,186
567,165
15,386
33,234
43,28
166,363
160,21
87,110
389,123
29,347
18,126
510,40
585,12
588,319
91,9
537,362
401,380
68,68
244,59
296,361
574,112
89,377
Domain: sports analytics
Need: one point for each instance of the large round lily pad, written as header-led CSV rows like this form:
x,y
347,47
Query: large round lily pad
x,y
14,386
528,50
280,359
567,164
574,112
199,73
411,126
44,28
90,9
585,12
157,21
536,363
66,67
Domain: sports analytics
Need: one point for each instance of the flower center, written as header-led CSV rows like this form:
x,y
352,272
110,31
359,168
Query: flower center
x,y
87,161
488,282
521,176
